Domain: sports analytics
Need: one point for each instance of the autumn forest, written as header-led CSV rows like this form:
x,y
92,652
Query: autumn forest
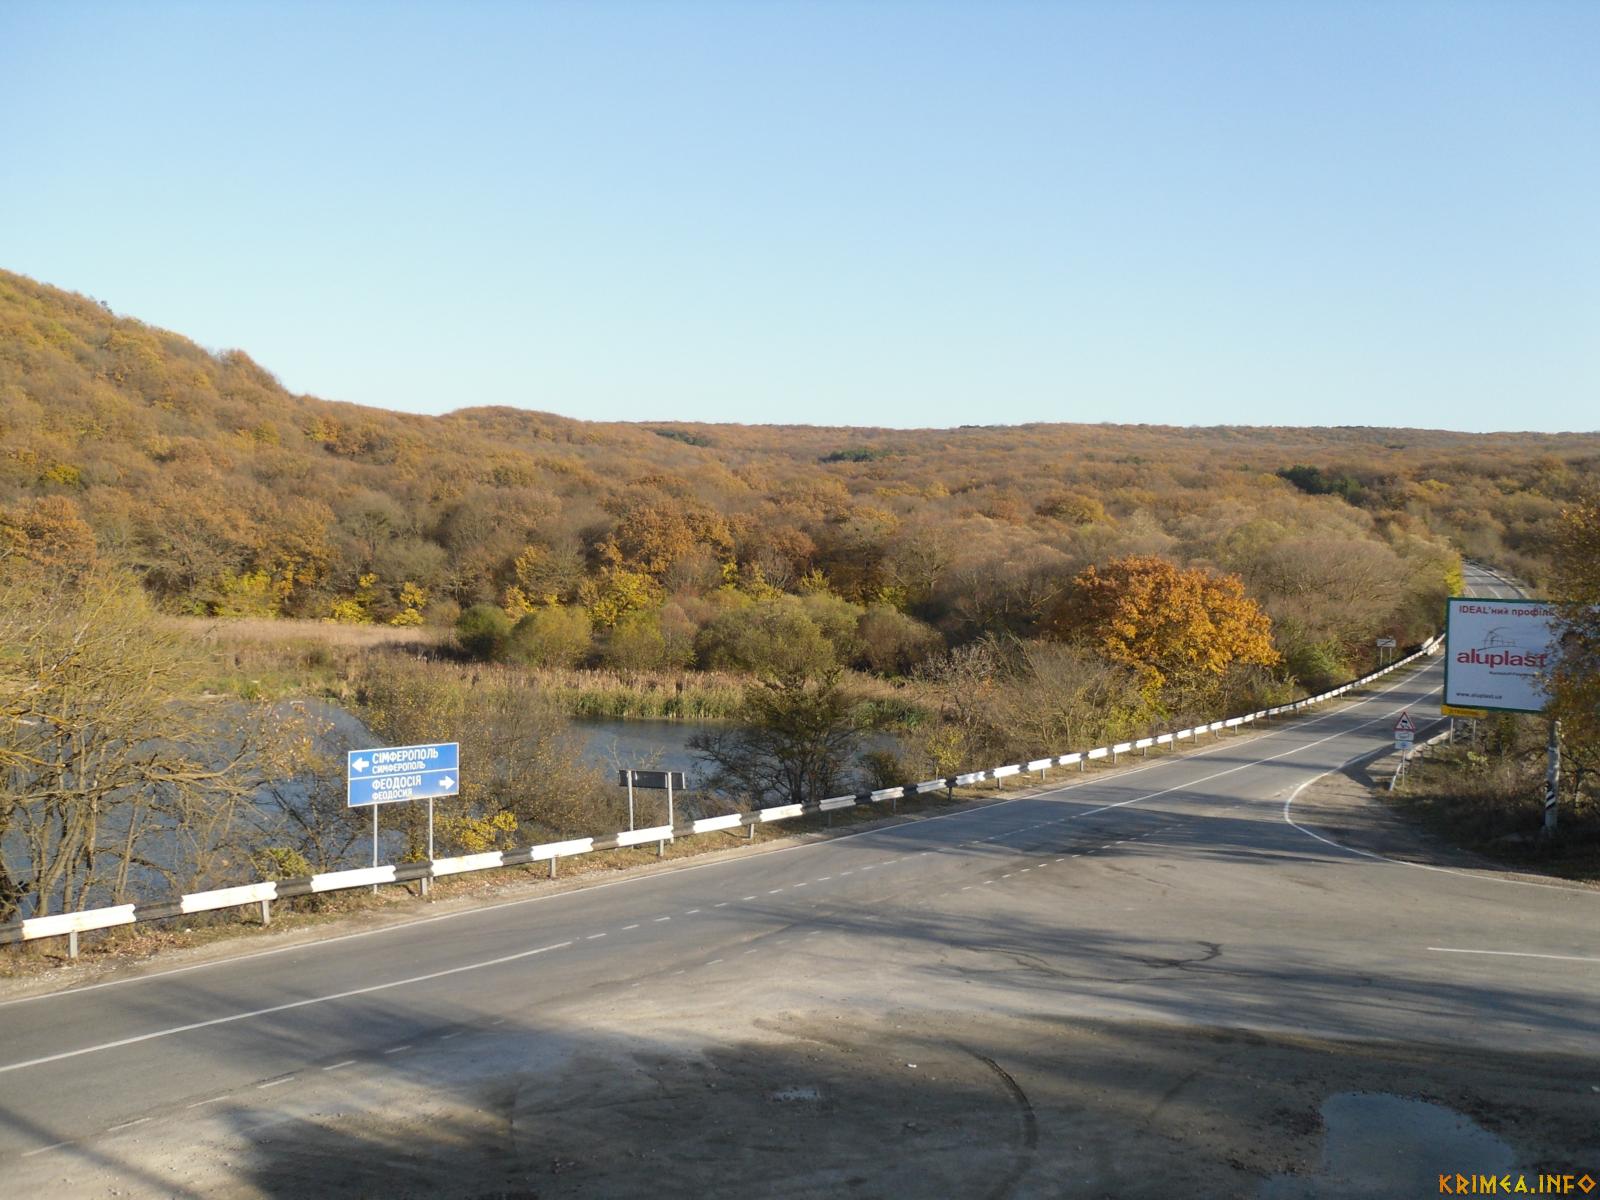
x,y
1131,574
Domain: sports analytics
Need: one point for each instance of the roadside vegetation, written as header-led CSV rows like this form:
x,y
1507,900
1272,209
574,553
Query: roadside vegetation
x,y
1487,796
1486,793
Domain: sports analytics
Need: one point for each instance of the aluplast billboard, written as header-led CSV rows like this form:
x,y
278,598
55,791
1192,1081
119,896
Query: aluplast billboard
x,y
1497,653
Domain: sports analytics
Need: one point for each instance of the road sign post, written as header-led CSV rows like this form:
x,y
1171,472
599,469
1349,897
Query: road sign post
x,y
629,778
390,774
1405,733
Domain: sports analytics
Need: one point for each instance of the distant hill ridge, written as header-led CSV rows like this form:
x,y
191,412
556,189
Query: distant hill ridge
x,y
230,494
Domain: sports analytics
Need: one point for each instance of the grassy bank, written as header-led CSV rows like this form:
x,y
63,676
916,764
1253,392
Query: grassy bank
x,y
703,696
611,695
278,658
272,659
1493,805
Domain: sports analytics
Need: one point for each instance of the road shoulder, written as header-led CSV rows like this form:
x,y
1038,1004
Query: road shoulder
x,y
1346,807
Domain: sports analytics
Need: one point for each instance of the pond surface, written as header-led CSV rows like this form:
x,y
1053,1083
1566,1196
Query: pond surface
x,y
664,745
642,745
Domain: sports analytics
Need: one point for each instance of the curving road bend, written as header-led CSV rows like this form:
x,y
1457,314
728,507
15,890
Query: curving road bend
x,y
1192,973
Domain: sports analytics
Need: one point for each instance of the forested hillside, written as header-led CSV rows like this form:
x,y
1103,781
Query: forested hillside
x,y
228,496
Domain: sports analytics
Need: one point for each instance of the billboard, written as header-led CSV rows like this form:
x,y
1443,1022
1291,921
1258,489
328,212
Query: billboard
x,y
1497,653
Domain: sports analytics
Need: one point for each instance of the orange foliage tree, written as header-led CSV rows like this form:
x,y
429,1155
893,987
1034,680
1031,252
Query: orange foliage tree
x,y
1176,626
50,531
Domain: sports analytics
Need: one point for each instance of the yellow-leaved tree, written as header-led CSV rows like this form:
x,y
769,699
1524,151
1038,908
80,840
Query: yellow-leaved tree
x,y
1178,627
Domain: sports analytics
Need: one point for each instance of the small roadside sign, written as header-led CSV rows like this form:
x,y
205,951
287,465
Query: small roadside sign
x,y
1404,725
389,774
651,779
1455,710
1386,643
669,780
1404,739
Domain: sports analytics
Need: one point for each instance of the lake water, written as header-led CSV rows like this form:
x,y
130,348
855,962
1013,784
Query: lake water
x,y
664,745
642,745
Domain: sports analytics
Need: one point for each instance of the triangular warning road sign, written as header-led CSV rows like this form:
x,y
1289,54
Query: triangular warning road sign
x,y
1404,725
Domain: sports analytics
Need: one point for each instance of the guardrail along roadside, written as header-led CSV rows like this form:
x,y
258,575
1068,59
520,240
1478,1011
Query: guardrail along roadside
x,y
263,895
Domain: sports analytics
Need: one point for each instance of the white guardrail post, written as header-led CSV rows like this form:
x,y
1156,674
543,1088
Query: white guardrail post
x,y
70,925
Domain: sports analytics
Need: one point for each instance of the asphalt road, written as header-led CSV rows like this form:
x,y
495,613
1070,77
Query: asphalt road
x,y
1118,984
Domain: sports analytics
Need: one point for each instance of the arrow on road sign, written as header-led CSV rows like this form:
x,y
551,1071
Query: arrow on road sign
x,y
447,782
361,764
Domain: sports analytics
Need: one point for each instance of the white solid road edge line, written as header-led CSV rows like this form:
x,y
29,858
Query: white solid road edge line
x,y
278,1008
1514,954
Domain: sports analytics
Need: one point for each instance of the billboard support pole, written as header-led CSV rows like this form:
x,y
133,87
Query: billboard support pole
x,y
1552,777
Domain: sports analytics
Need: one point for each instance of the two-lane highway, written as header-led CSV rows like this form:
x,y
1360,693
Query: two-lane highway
x,y
740,1027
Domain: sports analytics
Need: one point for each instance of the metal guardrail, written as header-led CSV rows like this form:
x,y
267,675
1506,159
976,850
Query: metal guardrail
x,y
70,925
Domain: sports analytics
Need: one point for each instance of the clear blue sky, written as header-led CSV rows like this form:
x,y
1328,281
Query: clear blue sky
x,y
896,214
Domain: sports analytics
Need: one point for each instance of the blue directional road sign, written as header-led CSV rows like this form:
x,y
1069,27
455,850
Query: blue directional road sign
x,y
392,773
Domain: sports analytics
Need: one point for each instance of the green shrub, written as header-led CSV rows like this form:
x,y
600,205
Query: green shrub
x,y
892,643
1316,666
883,769
557,635
484,632
770,638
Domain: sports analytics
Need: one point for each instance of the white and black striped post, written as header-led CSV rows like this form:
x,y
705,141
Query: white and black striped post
x,y
1552,777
